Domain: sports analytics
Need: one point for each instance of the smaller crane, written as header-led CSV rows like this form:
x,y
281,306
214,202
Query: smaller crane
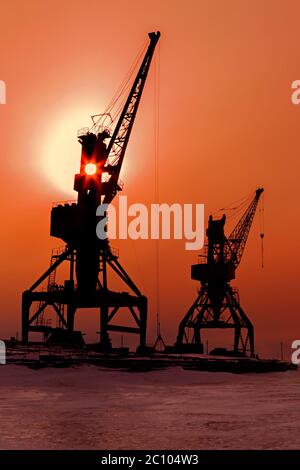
x,y
217,304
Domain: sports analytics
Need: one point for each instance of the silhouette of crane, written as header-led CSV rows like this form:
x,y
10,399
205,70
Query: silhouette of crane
x,y
90,257
217,304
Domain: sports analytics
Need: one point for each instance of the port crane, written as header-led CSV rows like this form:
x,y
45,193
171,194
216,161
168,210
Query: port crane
x,y
75,223
217,304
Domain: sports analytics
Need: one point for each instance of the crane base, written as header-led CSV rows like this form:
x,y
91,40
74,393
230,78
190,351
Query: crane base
x,y
67,299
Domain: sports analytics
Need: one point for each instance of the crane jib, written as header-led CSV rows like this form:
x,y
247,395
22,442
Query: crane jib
x,y
118,143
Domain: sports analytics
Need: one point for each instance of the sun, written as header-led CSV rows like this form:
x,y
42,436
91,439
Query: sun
x,y
60,154
57,160
90,169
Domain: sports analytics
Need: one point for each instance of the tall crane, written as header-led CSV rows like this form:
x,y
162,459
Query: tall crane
x,y
217,304
89,257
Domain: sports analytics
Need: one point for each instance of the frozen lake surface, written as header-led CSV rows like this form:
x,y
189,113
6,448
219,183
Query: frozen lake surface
x,y
90,408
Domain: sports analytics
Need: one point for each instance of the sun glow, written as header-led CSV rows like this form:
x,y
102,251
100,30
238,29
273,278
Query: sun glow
x,y
58,158
61,152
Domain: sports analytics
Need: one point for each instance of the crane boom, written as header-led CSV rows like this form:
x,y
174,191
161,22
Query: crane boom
x,y
236,241
118,143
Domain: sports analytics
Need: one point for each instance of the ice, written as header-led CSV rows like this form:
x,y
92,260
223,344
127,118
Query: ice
x,y
87,407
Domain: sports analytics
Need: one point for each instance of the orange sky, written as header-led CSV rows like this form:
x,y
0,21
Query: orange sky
x,y
227,126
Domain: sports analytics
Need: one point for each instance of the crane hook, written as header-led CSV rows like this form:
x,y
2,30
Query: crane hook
x,y
262,249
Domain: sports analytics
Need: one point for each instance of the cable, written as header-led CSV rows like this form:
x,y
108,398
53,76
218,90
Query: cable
x,y
229,207
126,81
156,173
262,227
120,92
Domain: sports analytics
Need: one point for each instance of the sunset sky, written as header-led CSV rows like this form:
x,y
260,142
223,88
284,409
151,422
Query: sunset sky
x,y
227,126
